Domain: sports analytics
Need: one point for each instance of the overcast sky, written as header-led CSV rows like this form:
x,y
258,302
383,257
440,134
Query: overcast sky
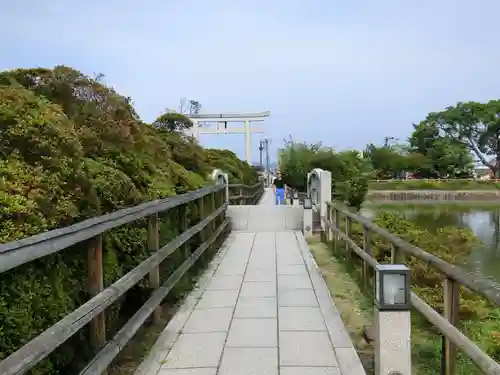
x,y
342,72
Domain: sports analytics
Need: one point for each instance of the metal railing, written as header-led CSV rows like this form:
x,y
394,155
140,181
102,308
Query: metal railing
x,y
210,225
240,194
454,277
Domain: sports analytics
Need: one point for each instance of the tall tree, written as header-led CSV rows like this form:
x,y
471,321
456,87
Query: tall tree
x,y
387,161
178,120
475,125
446,157
173,122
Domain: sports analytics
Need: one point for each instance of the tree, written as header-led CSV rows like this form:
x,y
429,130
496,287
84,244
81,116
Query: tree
x,y
349,170
173,122
387,161
178,120
474,125
189,107
446,157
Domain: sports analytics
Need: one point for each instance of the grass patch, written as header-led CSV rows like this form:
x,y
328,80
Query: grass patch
x,y
138,348
356,309
450,185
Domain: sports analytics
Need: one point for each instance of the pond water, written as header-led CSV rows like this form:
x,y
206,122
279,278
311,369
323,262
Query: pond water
x,y
483,220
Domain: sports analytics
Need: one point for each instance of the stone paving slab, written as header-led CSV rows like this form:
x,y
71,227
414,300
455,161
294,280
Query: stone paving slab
x,y
263,309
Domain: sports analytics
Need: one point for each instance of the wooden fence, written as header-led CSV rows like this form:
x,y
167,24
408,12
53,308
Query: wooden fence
x,y
454,277
240,194
212,224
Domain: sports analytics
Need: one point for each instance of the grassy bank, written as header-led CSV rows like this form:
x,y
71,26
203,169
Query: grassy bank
x,y
450,185
355,308
478,320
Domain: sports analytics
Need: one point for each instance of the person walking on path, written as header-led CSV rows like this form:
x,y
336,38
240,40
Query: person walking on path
x,y
279,188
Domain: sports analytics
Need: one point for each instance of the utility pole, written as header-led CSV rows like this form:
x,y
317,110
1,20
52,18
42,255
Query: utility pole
x,y
261,148
266,142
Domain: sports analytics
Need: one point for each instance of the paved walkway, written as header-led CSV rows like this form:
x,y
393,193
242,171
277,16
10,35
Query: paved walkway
x,y
262,308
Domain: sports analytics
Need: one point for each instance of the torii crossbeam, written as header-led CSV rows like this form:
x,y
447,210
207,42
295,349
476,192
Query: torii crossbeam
x,y
223,119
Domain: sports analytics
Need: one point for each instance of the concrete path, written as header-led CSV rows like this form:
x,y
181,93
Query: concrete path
x,y
262,308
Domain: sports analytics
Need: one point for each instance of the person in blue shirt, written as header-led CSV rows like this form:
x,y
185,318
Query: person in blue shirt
x,y
279,188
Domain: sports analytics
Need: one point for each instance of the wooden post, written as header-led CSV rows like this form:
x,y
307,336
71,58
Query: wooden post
x,y
337,225
95,286
394,253
348,233
154,274
451,310
213,225
397,255
212,209
334,226
201,212
242,194
368,250
329,219
183,225
220,201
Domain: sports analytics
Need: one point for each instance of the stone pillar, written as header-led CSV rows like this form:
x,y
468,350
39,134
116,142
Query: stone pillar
x,y
325,182
220,177
307,223
248,142
393,342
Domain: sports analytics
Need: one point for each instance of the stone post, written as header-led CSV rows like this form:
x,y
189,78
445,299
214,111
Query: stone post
x,y
325,182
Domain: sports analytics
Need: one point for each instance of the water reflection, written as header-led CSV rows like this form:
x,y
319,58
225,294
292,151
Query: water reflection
x,y
484,222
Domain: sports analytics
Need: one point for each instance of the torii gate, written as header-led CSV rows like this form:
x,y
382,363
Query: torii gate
x,y
222,119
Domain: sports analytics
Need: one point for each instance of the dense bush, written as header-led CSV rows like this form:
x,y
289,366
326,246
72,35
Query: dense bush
x,y
72,148
349,170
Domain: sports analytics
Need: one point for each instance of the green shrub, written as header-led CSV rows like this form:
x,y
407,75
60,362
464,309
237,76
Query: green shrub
x,y
348,169
72,148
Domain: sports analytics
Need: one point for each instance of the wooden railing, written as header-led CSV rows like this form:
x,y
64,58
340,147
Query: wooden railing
x,y
211,206
240,194
454,277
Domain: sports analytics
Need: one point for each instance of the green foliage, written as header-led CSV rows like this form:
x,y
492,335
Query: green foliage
x,y
240,172
172,121
446,157
72,148
349,170
474,125
387,161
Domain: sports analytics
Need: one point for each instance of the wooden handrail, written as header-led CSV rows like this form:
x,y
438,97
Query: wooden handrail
x,y
244,198
475,283
454,338
19,252
23,251
246,186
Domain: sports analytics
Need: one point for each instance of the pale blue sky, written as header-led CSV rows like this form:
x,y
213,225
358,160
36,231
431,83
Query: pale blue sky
x,y
342,72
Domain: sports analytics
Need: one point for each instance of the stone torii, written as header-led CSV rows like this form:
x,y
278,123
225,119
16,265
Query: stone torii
x,y
222,121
